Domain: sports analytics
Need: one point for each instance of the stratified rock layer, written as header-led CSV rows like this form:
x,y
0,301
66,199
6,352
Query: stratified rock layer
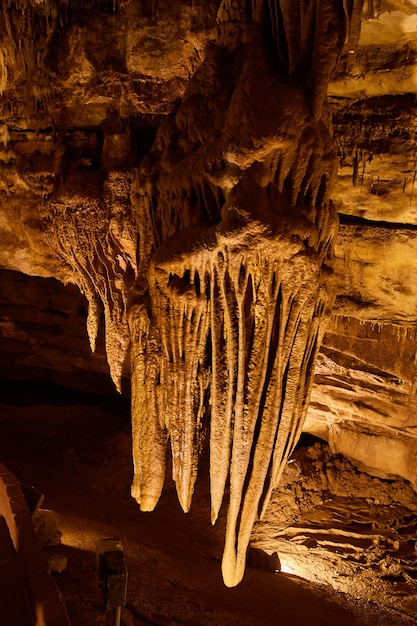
x,y
332,523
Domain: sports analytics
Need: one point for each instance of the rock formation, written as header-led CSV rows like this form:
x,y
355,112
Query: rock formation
x,y
233,197
369,351
175,161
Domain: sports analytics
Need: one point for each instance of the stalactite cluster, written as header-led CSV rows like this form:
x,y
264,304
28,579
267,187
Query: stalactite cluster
x,y
252,299
214,263
96,240
237,227
31,29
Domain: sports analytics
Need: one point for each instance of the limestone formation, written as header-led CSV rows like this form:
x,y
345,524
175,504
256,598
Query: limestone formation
x,y
228,312
176,162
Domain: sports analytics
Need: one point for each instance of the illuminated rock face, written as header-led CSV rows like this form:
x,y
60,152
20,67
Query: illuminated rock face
x,y
233,202
213,236
249,310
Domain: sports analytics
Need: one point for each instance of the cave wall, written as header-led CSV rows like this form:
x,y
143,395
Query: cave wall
x,y
363,401
175,162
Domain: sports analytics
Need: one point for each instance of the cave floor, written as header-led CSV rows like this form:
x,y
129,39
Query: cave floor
x,y
75,448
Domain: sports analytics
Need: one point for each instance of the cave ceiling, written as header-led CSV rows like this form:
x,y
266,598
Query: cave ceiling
x,y
232,186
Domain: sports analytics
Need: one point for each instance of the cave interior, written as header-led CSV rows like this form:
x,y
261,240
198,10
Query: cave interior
x,y
208,229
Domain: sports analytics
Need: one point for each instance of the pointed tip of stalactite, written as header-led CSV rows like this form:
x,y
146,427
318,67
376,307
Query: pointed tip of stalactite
x,y
147,501
215,508
232,570
92,334
92,342
214,516
116,376
184,497
117,383
116,371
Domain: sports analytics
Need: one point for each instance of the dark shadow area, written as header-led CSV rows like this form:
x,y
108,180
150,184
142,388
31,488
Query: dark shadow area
x,y
79,456
31,393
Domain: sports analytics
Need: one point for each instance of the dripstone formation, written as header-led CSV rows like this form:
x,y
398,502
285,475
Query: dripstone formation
x,y
176,162
226,320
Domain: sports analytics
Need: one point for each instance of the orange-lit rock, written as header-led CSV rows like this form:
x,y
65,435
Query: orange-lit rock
x,y
176,163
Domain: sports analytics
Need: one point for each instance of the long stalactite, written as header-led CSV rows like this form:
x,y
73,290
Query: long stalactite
x,y
226,325
211,260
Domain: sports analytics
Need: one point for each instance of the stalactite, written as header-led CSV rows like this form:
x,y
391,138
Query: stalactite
x,y
308,36
229,245
228,313
149,431
259,300
95,261
31,26
181,309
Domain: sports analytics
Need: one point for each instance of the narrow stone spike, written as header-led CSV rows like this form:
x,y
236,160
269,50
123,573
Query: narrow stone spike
x,y
185,323
194,400
234,558
252,381
117,342
92,320
223,384
183,431
280,410
149,438
305,379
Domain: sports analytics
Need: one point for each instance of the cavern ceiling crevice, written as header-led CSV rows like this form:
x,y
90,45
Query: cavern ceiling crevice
x,y
179,164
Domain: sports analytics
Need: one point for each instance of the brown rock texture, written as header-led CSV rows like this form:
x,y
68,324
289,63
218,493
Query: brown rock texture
x,y
363,402
177,162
